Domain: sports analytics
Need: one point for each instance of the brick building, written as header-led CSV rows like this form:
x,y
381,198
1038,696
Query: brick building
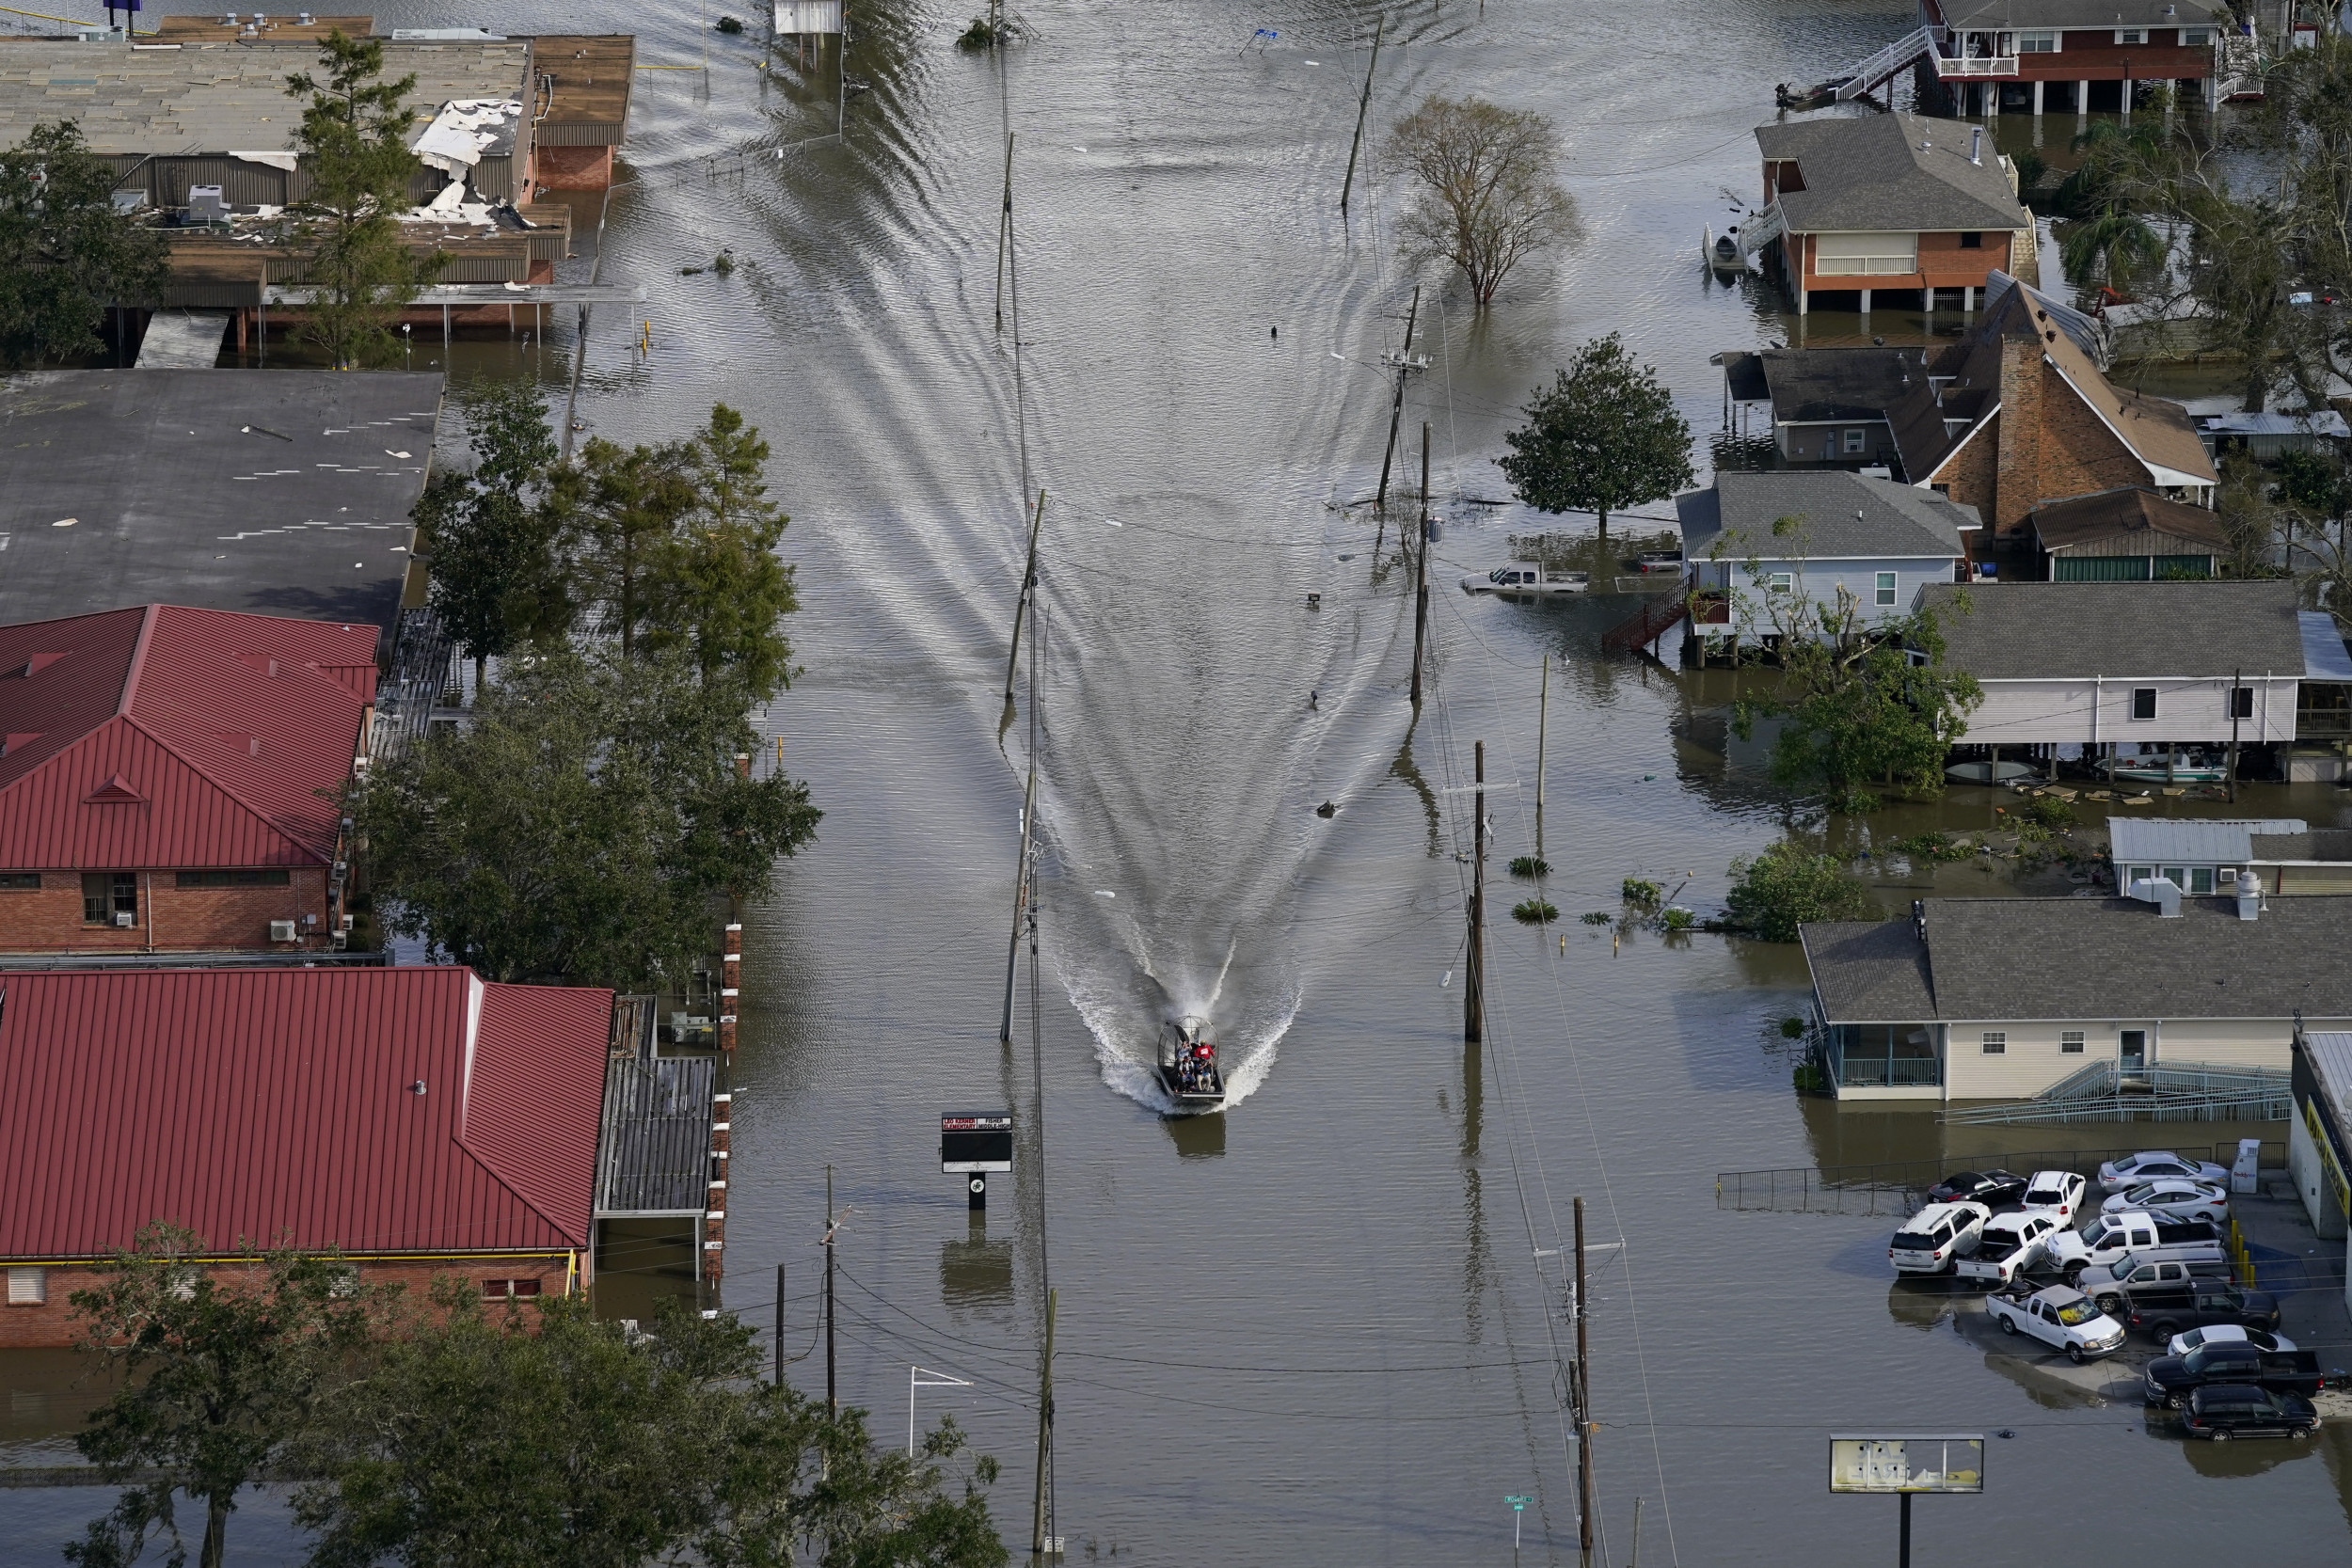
x,y
171,779
2017,413
418,1120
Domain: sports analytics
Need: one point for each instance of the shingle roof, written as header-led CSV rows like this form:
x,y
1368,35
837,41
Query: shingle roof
x,y
1894,172
2007,15
261,1102
1845,516
2323,847
2044,630
1815,384
2077,520
227,740
2193,840
2091,959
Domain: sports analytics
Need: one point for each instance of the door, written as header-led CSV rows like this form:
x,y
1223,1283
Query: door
x,y
2133,1058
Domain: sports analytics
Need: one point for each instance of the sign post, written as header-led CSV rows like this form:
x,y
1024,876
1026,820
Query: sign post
x,y
972,1146
1906,1466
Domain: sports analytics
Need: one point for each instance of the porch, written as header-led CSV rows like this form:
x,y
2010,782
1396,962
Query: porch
x,y
1883,1061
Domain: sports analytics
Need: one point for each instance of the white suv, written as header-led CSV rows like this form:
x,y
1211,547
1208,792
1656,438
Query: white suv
x,y
1932,1237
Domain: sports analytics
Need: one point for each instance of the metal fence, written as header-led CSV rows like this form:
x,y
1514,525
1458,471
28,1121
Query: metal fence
x,y
2166,1091
1897,1188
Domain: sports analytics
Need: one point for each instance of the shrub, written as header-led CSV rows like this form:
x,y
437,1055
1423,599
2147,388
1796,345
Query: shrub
x,y
1534,911
1529,865
1636,890
1595,917
2051,812
730,26
1789,884
1678,919
1932,849
1791,1028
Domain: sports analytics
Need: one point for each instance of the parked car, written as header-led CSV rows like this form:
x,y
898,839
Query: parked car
x,y
2174,1197
2111,1238
2153,1163
2168,1308
2170,1380
2057,1315
2011,1244
2060,1192
2224,1334
1992,1188
1937,1234
2221,1411
2117,1285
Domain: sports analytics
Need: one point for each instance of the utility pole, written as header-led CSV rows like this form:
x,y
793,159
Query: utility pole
x,y
1028,587
1023,890
1396,410
1543,712
1004,230
1362,107
1583,1401
1420,568
2237,684
779,1325
1044,1429
833,1397
1474,995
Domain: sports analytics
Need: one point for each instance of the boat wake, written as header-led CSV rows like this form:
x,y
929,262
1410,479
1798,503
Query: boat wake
x,y
1124,1009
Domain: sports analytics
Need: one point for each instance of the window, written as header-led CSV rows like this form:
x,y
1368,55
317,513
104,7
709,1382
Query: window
x,y
2241,702
2141,874
1884,593
1995,1042
2130,35
509,1289
1971,239
29,1287
2200,878
2196,38
20,881
108,894
1865,255
1781,583
1855,440
2177,876
2037,43
2071,1042
234,878
2143,702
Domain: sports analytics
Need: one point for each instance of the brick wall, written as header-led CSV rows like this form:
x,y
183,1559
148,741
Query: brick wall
x,y
184,919
52,1325
572,169
2045,444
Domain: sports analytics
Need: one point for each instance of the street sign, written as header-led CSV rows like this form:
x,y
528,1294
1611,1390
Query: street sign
x,y
975,1144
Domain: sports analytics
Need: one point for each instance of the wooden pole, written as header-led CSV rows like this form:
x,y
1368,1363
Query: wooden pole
x,y
1543,713
833,1397
1396,410
1474,997
1583,1400
1420,568
1004,229
1044,1429
1363,107
779,1325
1028,586
1020,901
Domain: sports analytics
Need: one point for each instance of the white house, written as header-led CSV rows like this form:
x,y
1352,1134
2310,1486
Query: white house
x,y
1758,545
2003,998
2198,855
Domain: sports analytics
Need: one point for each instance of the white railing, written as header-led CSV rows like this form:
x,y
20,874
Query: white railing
x,y
1762,229
1864,266
1978,65
1888,61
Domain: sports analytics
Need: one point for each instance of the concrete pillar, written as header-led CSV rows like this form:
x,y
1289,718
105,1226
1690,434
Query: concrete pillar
x,y
2036,99
2082,99
1968,298
1866,302
1805,300
2128,85
1992,99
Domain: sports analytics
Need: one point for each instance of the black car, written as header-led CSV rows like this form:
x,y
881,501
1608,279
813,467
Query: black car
x,y
1991,1188
2227,1410
2174,1380
2163,1312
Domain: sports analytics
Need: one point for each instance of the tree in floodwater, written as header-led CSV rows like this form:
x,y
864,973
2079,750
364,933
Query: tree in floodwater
x,y
1484,196
219,1367
497,578
1605,436
1784,886
64,252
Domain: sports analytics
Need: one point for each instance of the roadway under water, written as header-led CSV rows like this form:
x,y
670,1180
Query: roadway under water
x,y
1312,1329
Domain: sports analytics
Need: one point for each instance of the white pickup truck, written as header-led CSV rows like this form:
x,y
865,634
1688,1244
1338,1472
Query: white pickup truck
x,y
2111,1238
2059,1316
2012,1243
1528,577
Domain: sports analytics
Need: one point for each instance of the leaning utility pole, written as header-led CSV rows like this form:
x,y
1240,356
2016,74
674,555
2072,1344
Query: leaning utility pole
x,y
1004,230
1024,878
1583,1401
1420,568
1044,1429
1543,712
1029,588
1474,997
833,1397
779,1325
1396,410
1362,107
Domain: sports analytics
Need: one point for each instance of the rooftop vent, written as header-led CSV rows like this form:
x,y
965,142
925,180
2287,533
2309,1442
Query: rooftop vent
x,y
2160,891
2250,896
1975,147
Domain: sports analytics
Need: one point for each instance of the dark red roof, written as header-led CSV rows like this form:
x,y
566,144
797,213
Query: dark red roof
x,y
261,1103
160,736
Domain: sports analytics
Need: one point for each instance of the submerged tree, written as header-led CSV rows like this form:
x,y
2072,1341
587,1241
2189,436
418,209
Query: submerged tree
x,y
497,578
354,150
1605,436
66,254
1484,196
1785,885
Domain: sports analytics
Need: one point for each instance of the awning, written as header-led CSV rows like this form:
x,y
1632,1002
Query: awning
x,y
2325,657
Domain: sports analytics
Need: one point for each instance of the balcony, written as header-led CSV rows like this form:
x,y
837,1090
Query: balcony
x,y
1874,1058
1889,1072
1977,66
1866,266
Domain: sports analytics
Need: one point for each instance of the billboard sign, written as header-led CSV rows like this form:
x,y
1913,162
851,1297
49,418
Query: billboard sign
x,y
1942,1463
975,1144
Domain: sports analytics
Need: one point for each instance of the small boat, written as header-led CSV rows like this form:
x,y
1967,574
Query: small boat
x,y
1722,251
1657,561
1528,577
1187,1063
2179,767
1982,772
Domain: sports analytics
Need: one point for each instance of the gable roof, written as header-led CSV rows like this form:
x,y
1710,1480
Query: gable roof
x,y
166,737
2089,959
255,1104
2078,520
2121,630
1823,383
1846,516
2010,15
2221,840
1894,172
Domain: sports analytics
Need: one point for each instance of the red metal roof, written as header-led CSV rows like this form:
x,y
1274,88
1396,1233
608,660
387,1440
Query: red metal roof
x,y
261,1103
158,737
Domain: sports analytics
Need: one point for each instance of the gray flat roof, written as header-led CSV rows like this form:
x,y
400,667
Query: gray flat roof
x,y
2088,959
2323,847
1890,173
2048,630
1844,516
2212,840
182,491
1839,384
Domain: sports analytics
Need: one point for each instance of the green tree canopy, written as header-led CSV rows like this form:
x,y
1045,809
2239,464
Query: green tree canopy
x,y
1605,436
1787,884
353,149
620,509
579,826
65,253
217,1369
479,1442
497,578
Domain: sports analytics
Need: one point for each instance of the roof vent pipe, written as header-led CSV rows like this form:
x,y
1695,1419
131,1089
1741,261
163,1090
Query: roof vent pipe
x,y
2249,895
2160,891
1975,147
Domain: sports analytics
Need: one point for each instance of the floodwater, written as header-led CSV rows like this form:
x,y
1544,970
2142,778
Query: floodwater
x,y
1321,1326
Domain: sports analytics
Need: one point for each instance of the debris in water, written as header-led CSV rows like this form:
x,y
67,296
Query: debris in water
x,y
1114,522
1105,892
1326,808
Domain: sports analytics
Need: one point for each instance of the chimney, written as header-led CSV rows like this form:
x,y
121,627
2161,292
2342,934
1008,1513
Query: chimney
x,y
2249,895
2160,891
1975,147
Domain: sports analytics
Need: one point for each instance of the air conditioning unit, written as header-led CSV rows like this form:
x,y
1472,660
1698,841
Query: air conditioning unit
x,y
282,930
346,923
125,919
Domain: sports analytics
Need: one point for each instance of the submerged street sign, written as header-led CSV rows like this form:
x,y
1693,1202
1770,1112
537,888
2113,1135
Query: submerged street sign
x,y
975,1143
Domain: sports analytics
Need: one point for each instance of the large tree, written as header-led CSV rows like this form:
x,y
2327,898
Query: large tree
x,y
1484,196
580,825
354,150
1786,884
491,544
1603,436
486,1442
723,589
66,254
217,1371
620,509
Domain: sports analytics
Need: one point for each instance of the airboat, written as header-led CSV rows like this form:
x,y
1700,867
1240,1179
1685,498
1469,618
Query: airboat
x,y
1187,1064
